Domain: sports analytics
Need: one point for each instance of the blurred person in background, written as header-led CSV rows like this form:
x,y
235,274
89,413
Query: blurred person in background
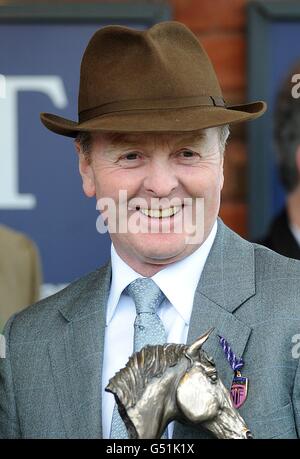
x,y
20,273
284,232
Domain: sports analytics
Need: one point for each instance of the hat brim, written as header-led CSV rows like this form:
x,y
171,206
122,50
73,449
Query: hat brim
x,y
177,120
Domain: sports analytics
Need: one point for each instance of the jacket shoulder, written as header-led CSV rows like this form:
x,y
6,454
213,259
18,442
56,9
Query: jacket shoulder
x,y
271,264
268,265
40,320
266,260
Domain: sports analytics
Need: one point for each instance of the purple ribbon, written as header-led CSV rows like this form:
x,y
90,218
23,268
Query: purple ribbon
x,y
235,363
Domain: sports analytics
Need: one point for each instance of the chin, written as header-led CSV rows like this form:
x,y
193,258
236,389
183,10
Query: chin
x,y
163,249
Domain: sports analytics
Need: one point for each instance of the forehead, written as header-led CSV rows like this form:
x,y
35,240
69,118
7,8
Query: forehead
x,y
116,141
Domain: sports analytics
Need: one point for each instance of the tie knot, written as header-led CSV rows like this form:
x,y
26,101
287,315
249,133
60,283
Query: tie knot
x,y
146,295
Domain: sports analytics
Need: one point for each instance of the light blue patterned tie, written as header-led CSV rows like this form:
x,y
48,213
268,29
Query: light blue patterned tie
x,y
148,329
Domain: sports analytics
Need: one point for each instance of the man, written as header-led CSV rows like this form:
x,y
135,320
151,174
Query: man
x,y
284,232
20,269
150,138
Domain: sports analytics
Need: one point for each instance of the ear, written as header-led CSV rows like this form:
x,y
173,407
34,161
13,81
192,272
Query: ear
x,y
86,172
194,348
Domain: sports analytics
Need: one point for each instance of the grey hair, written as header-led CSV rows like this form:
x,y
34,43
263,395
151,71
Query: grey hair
x,y
287,132
223,136
85,140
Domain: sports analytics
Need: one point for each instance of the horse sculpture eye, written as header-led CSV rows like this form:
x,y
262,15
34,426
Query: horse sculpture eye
x,y
214,377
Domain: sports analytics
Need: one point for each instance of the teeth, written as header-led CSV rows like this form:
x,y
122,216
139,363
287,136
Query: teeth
x,y
160,213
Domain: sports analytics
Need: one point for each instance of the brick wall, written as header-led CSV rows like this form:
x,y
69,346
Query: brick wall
x,y
220,25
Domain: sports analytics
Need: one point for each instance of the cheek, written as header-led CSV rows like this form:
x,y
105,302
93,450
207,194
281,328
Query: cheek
x,y
101,190
109,183
197,397
214,183
105,186
207,184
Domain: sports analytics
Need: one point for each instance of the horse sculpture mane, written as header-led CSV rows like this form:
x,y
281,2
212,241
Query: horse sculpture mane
x,y
152,361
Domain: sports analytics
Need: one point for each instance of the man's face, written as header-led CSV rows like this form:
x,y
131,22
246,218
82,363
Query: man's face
x,y
156,171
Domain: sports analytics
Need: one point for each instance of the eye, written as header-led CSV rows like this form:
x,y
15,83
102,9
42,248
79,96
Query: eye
x,y
130,159
213,376
188,155
131,156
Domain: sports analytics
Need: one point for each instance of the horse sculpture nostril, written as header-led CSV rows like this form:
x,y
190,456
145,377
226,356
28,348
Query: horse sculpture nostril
x,y
249,435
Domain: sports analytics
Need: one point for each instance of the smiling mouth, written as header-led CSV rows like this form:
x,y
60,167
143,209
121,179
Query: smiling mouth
x,y
160,213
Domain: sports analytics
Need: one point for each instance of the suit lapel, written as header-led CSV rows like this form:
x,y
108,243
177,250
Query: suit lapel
x,y
77,357
226,283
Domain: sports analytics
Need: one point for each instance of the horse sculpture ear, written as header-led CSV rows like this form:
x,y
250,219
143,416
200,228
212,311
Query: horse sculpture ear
x,y
195,347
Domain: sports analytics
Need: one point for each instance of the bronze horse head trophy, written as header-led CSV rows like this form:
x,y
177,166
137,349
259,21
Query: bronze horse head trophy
x,y
163,383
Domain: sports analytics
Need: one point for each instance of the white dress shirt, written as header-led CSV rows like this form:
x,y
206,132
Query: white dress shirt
x,y
178,281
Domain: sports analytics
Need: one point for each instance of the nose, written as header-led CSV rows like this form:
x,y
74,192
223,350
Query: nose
x,y
160,179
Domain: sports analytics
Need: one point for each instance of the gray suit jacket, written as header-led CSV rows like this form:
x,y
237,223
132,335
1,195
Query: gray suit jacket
x,y
50,380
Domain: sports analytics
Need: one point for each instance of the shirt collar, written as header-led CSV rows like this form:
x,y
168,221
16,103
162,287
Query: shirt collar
x,y
180,294
122,275
188,271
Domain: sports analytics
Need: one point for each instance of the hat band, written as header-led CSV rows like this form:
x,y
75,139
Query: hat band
x,y
146,104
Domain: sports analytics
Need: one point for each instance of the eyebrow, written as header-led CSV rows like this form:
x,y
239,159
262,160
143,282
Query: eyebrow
x,y
192,138
119,140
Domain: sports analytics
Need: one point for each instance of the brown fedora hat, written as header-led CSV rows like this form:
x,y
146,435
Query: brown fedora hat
x,y
157,80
